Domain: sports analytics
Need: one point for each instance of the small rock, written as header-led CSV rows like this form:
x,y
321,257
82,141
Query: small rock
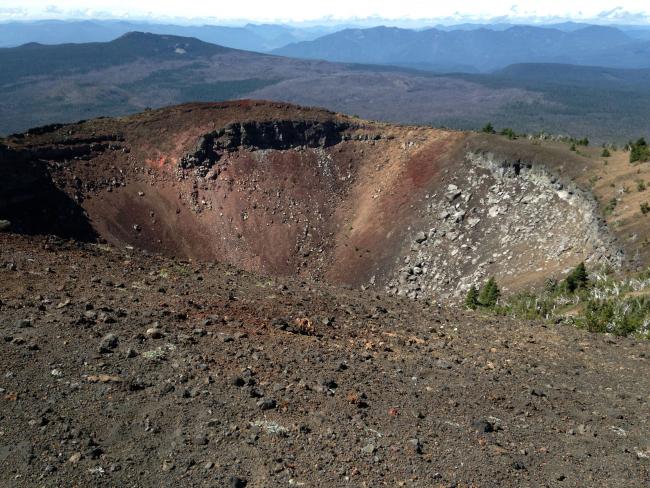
x,y
415,446
5,225
369,449
267,404
154,333
255,392
483,426
238,381
130,353
330,384
94,452
442,364
280,323
236,482
201,440
518,465
75,458
108,343
23,323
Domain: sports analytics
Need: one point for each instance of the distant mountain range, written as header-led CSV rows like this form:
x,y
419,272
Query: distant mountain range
x,y
251,37
37,60
468,47
41,84
478,50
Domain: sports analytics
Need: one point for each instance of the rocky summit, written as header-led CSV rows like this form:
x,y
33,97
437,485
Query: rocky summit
x,y
257,294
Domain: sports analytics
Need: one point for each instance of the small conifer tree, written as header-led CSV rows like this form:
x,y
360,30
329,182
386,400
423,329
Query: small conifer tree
x,y
577,279
489,128
471,300
509,133
639,151
490,293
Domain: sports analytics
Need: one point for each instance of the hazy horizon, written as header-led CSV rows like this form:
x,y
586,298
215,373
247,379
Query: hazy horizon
x,y
409,13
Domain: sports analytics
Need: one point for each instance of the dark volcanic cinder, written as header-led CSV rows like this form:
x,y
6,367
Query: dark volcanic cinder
x,y
225,397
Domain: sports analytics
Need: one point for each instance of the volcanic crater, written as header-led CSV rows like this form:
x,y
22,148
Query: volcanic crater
x,y
286,190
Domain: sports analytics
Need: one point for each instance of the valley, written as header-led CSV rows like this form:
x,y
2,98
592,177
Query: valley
x,y
44,84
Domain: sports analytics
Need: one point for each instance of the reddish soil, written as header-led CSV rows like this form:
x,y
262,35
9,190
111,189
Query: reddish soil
x,y
228,390
304,211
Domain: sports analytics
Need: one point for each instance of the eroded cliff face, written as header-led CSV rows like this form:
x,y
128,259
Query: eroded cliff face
x,y
253,136
510,219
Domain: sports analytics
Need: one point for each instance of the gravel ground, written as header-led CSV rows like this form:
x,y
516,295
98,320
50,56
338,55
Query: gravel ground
x,y
119,368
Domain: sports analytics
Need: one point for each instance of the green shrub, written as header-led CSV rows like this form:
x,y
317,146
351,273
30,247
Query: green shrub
x,y
611,205
605,153
603,304
621,317
550,286
645,208
640,185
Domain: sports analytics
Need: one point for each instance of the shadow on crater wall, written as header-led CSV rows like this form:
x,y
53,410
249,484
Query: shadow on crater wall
x,y
32,202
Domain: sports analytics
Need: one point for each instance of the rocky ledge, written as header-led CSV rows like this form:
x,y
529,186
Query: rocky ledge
x,y
278,135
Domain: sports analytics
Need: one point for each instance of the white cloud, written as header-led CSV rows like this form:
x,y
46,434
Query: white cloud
x,y
305,10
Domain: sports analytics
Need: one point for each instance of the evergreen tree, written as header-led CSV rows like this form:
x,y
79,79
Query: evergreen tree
x,y
471,300
489,129
639,151
509,133
577,279
605,153
489,294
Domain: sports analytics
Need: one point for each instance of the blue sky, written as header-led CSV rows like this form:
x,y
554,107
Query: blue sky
x,y
332,10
